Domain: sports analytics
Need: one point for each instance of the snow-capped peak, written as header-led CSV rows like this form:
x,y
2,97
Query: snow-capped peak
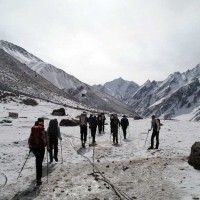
x,y
19,53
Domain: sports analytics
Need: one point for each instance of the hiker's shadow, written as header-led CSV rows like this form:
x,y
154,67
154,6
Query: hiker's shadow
x,y
127,140
81,151
29,193
100,134
51,168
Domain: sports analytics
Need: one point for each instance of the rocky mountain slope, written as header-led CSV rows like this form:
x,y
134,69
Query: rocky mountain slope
x,y
118,88
18,78
178,94
67,85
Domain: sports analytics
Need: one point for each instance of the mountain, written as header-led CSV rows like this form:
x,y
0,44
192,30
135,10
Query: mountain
x,y
65,83
119,88
17,77
178,94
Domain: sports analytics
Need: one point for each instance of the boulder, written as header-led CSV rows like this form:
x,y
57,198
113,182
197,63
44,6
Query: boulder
x,y
69,122
194,158
13,114
59,112
30,102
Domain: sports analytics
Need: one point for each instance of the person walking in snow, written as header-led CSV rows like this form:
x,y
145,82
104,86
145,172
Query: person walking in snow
x,y
100,123
103,122
93,127
37,143
155,126
115,124
124,124
83,128
53,132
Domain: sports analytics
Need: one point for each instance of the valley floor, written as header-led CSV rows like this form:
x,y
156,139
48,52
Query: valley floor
x,y
127,171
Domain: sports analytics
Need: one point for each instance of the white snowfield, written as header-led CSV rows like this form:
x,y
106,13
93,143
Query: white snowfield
x,y
132,171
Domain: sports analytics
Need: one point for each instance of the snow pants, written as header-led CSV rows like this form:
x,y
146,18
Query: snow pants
x,y
115,134
100,128
53,148
155,134
39,157
124,131
103,127
83,133
93,133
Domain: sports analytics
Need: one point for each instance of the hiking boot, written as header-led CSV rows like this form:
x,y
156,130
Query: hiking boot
x,y
38,182
56,159
156,148
150,148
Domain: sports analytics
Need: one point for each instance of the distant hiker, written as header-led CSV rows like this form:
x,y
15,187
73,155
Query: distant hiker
x,y
93,127
37,143
114,127
100,123
103,122
111,117
83,128
124,124
155,125
53,132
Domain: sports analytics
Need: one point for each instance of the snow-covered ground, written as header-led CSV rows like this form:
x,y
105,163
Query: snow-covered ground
x,y
133,171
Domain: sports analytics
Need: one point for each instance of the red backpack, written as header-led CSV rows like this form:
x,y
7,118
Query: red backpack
x,y
37,138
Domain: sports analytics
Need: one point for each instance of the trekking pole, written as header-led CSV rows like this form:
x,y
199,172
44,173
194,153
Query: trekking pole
x,y
89,135
93,158
110,134
120,135
47,166
61,151
146,139
24,165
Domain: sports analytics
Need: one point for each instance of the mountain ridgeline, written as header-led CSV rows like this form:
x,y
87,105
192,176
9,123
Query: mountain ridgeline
x,y
22,72
177,95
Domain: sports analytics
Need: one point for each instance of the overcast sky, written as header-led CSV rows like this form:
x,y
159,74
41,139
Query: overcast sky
x,y
100,40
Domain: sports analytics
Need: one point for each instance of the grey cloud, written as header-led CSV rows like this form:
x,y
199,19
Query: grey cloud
x,y
97,41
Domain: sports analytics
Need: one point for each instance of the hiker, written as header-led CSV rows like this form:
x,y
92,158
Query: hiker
x,y
103,122
155,125
37,143
100,124
53,132
124,124
114,123
93,127
83,127
111,117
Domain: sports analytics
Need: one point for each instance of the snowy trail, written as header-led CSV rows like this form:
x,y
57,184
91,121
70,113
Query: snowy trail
x,y
141,174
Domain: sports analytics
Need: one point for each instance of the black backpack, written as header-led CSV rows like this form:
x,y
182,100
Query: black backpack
x,y
124,121
93,121
53,130
115,121
160,124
